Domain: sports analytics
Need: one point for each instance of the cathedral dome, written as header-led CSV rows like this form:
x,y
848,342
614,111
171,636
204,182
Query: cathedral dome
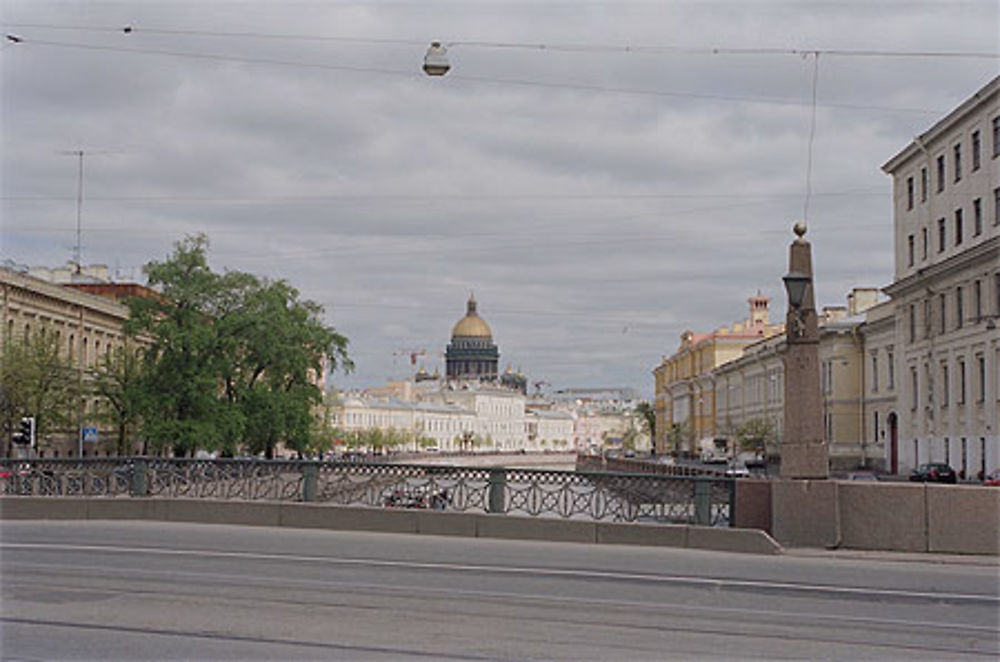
x,y
472,325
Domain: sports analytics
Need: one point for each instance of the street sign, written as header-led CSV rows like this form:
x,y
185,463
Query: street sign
x,y
90,434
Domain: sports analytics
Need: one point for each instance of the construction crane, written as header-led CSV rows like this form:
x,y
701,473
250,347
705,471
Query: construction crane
x,y
414,354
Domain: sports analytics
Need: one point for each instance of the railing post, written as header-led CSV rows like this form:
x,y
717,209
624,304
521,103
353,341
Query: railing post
x,y
310,476
703,501
732,503
498,486
139,485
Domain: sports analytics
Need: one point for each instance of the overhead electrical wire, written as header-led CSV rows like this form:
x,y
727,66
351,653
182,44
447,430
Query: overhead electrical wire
x,y
406,197
461,77
535,46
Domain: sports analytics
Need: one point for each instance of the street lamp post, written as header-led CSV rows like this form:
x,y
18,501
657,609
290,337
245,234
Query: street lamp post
x,y
803,451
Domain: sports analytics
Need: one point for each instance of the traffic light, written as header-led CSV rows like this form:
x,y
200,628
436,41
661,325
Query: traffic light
x,y
25,434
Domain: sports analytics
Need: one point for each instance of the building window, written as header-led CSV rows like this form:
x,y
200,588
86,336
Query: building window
x,y
958,227
976,151
923,185
959,308
996,135
958,162
977,217
875,372
981,378
923,243
942,235
913,323
996,293
927,318
914,393
943,310
909,250
929,382
940,173
996,206
977,300
909,193
876,426
891,367
961,381
944,385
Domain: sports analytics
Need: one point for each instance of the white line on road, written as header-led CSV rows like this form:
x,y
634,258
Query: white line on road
x,y
865,593
687,609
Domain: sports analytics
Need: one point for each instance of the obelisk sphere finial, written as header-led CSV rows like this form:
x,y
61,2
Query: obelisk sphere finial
x,y
799,229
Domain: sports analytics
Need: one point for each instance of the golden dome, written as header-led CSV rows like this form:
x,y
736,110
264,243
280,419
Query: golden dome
x,y
472,325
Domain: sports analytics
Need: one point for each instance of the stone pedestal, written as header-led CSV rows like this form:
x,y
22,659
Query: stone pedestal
x,y
808,460
803,451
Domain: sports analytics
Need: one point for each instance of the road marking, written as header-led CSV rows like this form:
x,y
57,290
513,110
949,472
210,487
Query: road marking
x,y
450,592
715,583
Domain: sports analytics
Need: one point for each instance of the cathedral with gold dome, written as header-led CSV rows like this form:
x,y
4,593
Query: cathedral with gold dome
x,y
471,355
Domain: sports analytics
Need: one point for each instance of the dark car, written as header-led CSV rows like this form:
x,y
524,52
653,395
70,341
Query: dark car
x,y
934,472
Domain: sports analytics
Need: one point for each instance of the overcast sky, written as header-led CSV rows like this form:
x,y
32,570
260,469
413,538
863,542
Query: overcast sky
x,y
599,199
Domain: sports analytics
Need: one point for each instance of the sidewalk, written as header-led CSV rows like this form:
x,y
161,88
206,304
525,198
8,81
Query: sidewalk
x,y
893,557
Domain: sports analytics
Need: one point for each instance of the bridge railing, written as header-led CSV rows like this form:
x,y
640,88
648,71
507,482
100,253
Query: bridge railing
x,y
596,495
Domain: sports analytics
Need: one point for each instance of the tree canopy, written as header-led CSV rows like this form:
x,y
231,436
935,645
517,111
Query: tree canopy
x,y
37,380
234,360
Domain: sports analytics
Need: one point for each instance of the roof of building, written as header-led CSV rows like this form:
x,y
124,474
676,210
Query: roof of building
x,y
942,125
472,325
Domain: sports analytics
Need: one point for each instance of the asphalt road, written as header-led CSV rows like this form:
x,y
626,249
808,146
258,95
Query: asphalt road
x,y
153,591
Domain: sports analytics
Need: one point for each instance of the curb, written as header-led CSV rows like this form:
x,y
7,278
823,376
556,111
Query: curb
x,y
420,522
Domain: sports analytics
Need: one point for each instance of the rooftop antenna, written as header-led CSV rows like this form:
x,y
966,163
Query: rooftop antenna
x,y
77,249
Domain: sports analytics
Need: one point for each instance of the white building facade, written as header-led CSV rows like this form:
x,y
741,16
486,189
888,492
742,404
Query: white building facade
x,y
482,417
946,290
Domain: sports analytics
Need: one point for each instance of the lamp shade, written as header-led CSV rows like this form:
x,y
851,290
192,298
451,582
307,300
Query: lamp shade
x,y
436,60
796,283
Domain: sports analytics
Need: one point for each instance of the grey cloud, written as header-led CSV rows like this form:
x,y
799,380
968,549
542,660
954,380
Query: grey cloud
x,y
594,225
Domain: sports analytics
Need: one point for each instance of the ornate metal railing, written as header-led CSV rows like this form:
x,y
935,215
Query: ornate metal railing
x,y
597,495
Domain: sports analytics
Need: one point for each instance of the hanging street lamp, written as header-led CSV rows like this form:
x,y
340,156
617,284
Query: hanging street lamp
x,y
436,60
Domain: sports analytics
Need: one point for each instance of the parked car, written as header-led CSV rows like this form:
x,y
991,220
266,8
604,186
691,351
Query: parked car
x,y
738,470
861,475
993,480
934,472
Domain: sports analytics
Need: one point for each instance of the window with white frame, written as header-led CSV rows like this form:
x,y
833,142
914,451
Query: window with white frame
x,y
961,381
891,369
944,385
959,308
980,378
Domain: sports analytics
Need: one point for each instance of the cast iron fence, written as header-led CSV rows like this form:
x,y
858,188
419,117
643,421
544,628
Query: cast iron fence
x,y
597,495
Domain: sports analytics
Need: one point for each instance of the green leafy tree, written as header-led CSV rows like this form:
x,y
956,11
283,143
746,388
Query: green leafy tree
x,y
276,346
183,410
647,418
680,435
757,435
234,359
37,380
117,379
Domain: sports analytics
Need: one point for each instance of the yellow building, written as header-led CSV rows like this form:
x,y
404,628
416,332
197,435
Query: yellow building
x,y
684,385
87,326
751,387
